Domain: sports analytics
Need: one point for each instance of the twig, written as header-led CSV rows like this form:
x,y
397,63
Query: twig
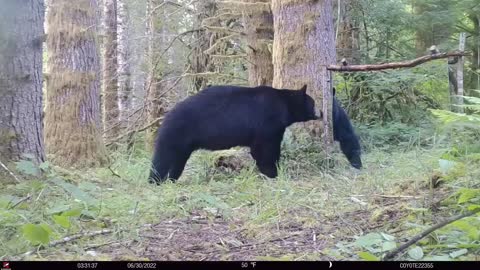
x,y
64,241
100,245
133,131
10,172
417,237
113,172
355,200
20,201
178,37
393,65
389,196
78,236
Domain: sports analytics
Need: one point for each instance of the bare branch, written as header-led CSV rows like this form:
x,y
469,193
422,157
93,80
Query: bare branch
x,y
29,196
223,30
258,7
394,65
417,237
10,172
151,124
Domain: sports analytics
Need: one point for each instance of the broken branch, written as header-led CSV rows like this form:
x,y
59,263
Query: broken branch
x,y
394,65
417,237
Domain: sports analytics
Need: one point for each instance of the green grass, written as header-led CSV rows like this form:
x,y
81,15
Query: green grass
x,y
303,201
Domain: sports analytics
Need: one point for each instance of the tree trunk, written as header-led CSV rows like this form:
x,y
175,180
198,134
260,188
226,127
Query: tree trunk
x,y
201,62
348,34
474,82
428,31
258,22
303,46
460,92
73,119
154,105
110,68
21,40
422,36
124,64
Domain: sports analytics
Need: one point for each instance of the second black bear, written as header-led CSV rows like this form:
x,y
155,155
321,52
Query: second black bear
x,y
221,117
343,133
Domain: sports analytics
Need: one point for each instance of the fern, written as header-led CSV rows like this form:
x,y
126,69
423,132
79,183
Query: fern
x,y
447,117
462,120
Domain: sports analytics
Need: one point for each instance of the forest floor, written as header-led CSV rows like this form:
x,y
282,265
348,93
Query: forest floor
x,y
213,214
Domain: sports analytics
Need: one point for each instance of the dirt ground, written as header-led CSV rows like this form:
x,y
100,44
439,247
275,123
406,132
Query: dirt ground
x,y
200,238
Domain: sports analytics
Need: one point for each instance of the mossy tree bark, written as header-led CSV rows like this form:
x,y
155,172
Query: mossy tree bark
x,y
21,39
348,43
110,69
303,45
258,22
200,61
429,31
73,119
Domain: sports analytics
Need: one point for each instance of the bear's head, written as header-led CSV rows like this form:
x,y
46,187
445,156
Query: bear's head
x,y
351,149
303,106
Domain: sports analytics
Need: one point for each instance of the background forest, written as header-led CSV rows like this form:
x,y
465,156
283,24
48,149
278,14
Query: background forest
x,y
85,84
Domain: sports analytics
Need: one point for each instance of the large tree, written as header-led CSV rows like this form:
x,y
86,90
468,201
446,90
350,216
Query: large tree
x,y
434,22
21,39
348,34
303,45
200,61
73,119
110,69
124,61
258,22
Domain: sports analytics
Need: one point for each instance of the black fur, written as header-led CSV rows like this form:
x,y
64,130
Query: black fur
x,y
343,133
221,117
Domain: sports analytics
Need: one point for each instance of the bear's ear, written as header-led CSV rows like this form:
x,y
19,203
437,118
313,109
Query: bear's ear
x,y
304,89
334,90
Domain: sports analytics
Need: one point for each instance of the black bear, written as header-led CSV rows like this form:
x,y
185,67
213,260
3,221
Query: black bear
x,y
344,134
221,117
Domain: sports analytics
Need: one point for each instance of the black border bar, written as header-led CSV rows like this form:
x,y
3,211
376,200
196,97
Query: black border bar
x,y
245,265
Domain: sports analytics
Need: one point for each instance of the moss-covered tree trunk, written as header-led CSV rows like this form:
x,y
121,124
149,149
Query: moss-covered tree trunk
x,y
423,35
428,30
474,81
110,69
258,21
200,61
73,119
303,45
21,39
348,44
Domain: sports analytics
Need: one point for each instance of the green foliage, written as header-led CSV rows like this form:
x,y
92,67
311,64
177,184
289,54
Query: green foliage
x,y
416,253
400,96
394,136
468,194
368,256
458,120
36,234
62,221
376,243
77,193
463,129
27,167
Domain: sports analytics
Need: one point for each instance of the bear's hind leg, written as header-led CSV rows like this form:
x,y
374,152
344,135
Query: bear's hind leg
x,y
179,165
267,155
